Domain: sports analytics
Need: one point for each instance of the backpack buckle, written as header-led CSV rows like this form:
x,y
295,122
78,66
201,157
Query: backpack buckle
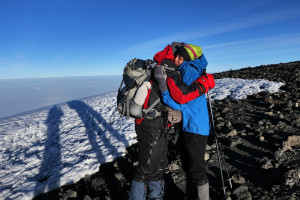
x,y
152,114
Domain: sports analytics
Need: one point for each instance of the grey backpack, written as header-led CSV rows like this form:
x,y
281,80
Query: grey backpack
x,y
135,73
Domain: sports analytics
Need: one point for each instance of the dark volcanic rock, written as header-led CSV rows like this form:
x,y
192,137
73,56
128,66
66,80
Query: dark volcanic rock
x,y
260,139
242,193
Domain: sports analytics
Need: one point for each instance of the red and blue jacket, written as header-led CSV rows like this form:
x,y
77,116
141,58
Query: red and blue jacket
x,y
185,93
191,102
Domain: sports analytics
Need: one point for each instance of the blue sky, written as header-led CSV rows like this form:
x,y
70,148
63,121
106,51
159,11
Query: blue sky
x,y
61,38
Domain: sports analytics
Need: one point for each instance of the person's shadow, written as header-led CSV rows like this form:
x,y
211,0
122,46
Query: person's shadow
x,y
92,120
51,164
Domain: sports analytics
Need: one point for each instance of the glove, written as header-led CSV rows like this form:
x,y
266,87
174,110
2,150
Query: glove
x,y
176,45
206,82
160,77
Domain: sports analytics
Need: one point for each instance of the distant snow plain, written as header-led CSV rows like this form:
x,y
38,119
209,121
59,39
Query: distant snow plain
x,y
21,95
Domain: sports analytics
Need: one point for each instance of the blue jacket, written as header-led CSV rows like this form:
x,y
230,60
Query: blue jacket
x,y
194,113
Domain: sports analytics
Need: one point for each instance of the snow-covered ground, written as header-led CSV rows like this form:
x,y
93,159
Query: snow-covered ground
x,y
57,145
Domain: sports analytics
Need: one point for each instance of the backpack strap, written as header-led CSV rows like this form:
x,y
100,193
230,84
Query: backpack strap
x,y
127,106
152,106
169,68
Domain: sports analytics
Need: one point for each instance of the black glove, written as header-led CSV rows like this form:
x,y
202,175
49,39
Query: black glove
x,y
176,45
160,77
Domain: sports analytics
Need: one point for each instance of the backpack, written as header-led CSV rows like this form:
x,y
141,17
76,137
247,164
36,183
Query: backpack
x,y
135,73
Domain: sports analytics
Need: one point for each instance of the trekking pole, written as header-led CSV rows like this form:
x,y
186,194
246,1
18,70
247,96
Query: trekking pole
x,y
219,144
221,158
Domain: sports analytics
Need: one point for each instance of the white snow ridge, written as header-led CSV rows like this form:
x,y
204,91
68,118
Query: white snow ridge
x,y
60,144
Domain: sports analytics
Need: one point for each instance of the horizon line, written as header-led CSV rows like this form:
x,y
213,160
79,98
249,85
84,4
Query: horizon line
x,y
77,76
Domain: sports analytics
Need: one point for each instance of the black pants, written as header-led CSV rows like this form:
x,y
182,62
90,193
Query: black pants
x,y
152,153
192,154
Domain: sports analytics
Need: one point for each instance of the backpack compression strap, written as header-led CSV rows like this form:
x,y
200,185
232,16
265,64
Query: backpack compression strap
x,y
127,106
146,111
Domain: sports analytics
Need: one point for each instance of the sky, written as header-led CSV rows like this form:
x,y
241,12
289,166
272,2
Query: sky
x,y
60,38
60,144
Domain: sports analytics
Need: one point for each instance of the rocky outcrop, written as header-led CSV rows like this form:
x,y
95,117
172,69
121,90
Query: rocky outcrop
x,y
260,139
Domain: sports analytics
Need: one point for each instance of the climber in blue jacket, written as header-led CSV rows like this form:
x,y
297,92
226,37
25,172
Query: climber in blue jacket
x,y
191,64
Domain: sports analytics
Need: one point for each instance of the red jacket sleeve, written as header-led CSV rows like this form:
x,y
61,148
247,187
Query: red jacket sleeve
x,y
182,93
